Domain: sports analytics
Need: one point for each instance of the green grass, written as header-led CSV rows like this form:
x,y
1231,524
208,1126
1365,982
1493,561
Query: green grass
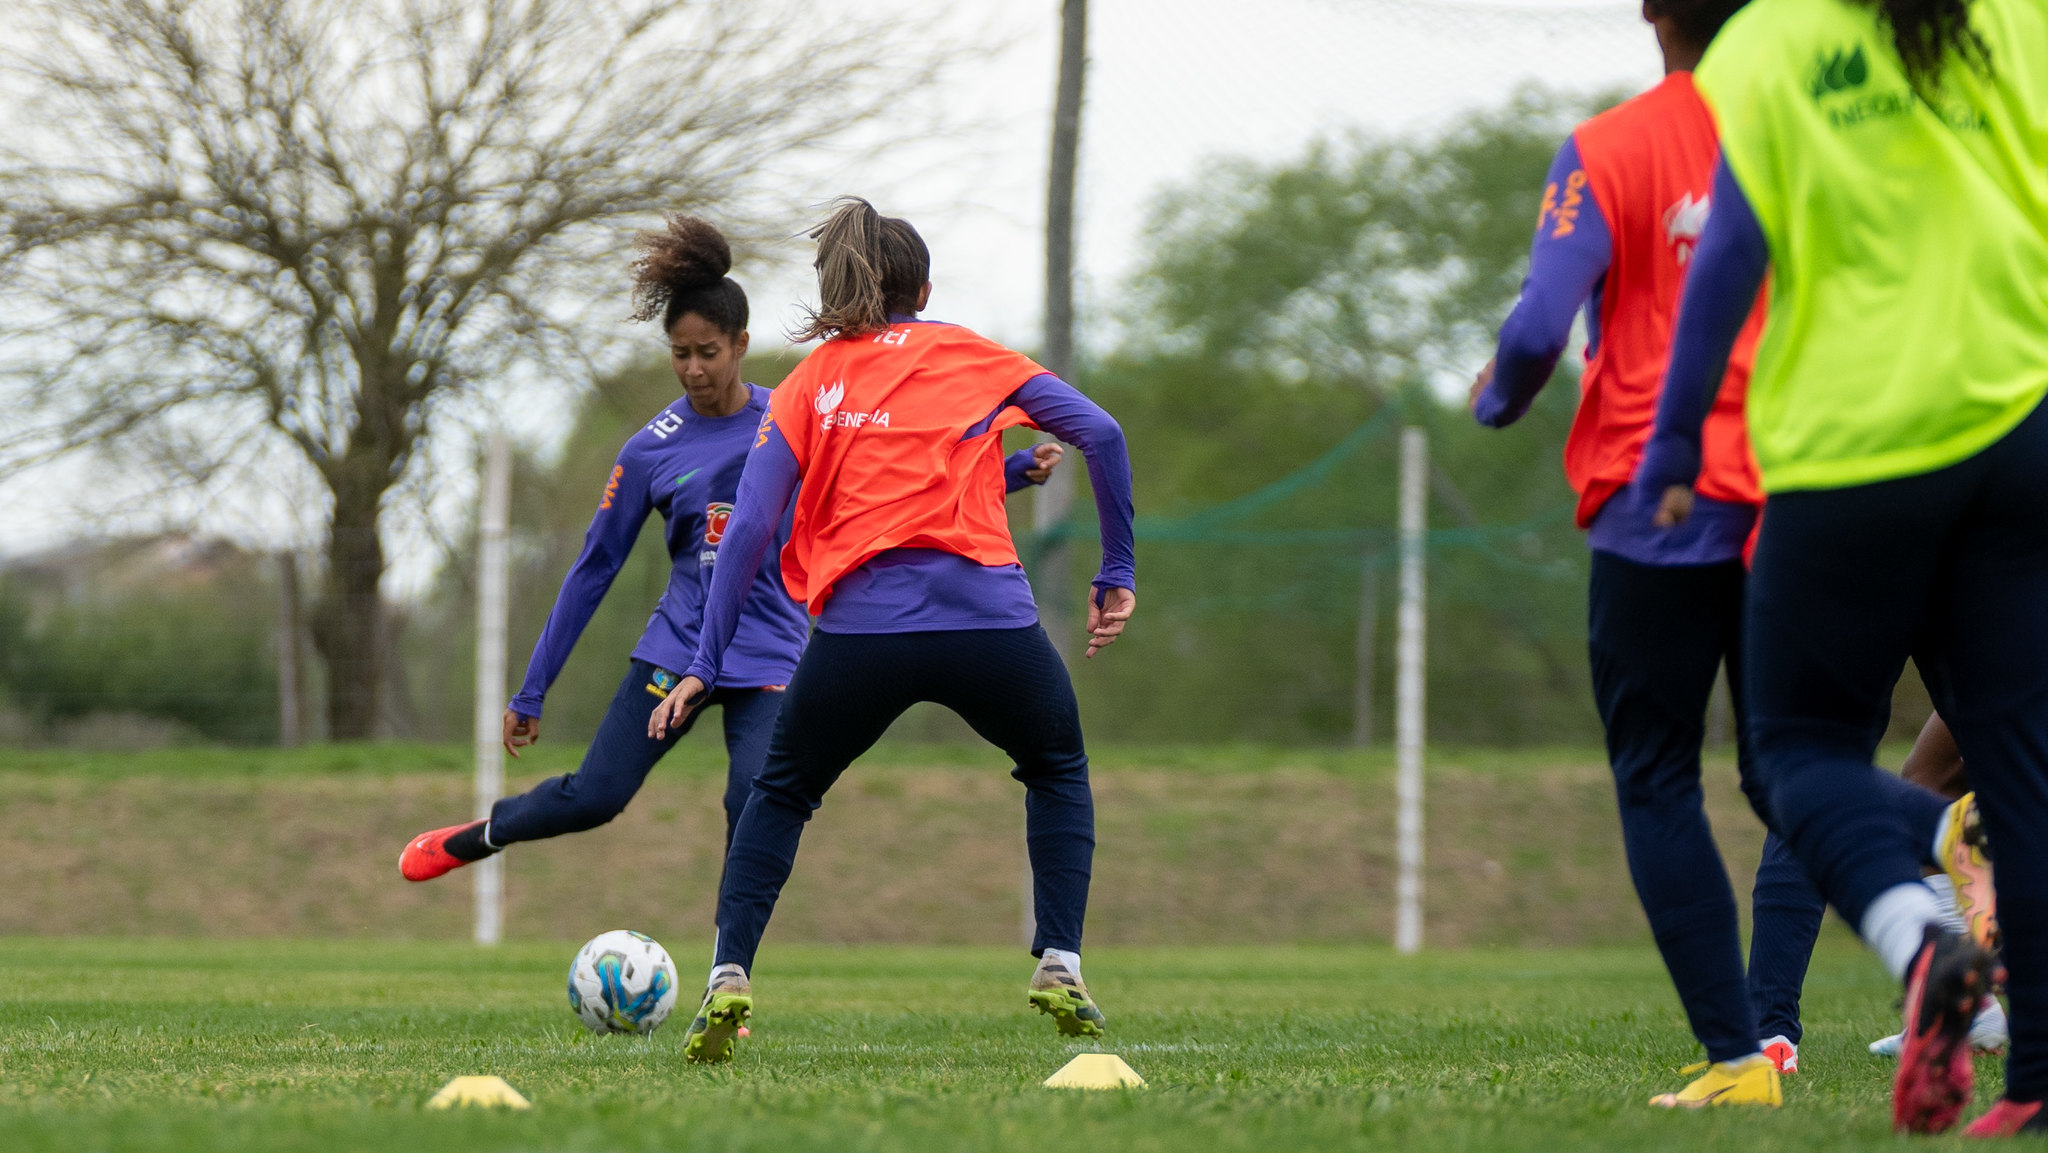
x,y
174,1045
562,751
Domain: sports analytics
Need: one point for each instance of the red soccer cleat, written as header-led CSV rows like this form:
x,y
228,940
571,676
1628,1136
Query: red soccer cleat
x,y
1949,977
426,856
1783,1054
2009,1119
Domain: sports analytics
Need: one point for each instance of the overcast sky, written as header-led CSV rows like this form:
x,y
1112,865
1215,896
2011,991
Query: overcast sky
x,y
1171,84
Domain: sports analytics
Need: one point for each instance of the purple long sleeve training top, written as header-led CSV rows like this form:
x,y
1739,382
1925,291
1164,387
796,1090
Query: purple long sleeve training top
x,y
686,467
924,590
1566,274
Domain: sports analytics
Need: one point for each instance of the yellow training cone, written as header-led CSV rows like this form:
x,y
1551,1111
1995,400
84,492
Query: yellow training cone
x,y
1095,1071
484,1091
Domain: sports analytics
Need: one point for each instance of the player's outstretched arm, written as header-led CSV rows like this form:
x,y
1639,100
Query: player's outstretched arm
x,y
1572,250
624,507
1060,409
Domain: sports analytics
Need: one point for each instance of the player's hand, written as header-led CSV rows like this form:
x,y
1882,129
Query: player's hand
x,y
676,707
520,732
1106,620
1676,506
1479,386
1044,458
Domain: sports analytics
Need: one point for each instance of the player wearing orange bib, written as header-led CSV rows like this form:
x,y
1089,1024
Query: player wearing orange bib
x,y
883,448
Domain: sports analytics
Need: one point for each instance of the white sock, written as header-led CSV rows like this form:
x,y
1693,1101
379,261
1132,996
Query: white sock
x,y
488,842
1896,923
1072,961
1945,892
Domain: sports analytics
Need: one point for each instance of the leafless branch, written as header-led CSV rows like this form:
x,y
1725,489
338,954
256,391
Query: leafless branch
x,y
329,218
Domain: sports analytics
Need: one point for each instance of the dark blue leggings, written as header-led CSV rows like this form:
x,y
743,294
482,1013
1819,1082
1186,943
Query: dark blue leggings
x,y
1786,909
1951,569
621,755
1785,915
1657,635
1009,685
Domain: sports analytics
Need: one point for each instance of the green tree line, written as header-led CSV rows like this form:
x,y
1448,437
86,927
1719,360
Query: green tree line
x,y
1281,310
1287,319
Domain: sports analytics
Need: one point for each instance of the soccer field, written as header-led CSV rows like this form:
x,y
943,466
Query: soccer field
x,y
153,1044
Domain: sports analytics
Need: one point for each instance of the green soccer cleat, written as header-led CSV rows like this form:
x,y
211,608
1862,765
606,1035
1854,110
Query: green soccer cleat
x,y
1059,992
728,1002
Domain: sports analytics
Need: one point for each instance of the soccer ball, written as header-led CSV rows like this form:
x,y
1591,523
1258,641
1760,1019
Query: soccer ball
x,y
622,982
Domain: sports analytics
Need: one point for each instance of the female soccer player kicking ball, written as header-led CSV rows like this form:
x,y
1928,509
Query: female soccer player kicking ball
x,y
899,546
685,464
1889,162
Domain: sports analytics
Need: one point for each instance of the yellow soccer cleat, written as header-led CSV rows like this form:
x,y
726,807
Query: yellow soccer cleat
x,y
728,1002
1751,1081
1963,854
1059,993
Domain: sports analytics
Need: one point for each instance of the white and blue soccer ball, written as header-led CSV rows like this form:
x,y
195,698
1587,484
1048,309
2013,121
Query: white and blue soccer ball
x,y
622,982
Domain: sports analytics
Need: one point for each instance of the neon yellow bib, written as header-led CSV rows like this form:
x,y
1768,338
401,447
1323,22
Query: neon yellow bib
x,y
1908,325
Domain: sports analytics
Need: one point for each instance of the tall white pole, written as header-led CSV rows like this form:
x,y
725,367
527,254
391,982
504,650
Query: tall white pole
x,y
1408,720
491,614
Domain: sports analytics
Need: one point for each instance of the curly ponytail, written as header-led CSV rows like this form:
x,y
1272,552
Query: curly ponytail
x,y
869,266
683,270
1927,31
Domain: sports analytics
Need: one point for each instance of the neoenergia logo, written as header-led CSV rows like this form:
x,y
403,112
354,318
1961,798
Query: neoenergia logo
x,y
829,396
1839,71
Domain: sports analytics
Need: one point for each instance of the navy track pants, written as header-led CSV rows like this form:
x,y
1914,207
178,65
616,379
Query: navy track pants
x,y
1658,634
622,754
1951,569
1009,685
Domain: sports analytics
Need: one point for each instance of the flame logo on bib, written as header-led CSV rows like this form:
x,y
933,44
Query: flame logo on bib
x,y
1683,223
829,396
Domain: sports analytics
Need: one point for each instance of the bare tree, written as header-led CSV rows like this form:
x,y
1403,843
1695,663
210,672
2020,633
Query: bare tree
x,y
337,222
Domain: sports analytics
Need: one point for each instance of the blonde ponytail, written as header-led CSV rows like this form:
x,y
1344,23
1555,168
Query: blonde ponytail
x,y
869,266
849,264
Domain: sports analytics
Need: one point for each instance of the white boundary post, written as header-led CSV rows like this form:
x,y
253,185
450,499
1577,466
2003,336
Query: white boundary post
x,y
1408,720
492,610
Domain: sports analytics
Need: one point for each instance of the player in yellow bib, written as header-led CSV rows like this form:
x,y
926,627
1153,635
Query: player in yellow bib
x,y
1886,161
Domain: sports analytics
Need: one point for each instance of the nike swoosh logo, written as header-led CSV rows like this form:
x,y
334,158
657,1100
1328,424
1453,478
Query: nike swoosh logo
x,y
685,478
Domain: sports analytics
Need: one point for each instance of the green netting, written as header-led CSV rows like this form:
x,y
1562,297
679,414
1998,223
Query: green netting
x,y
1214,525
